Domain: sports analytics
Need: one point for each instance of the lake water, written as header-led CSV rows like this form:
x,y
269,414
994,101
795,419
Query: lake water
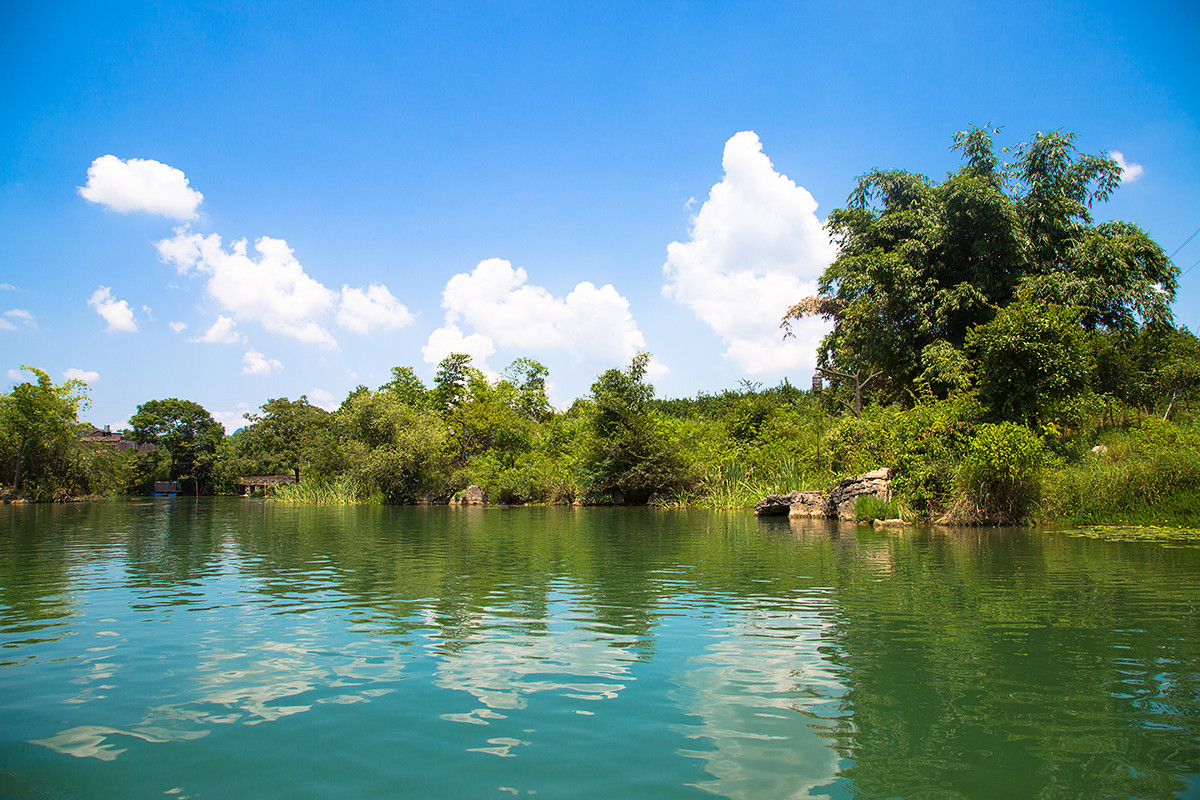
x,y
229,648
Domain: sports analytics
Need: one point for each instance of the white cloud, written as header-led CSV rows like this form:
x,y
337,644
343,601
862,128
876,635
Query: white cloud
x,y
254,363
1130,171
373,308
323,399
449,339
85,375
18,314
15,375
178,327
272,289
592,324
8,287
232,420
223,331
140,185
756,247
116,313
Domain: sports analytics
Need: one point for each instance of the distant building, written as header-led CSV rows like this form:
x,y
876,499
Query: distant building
x,y
107,438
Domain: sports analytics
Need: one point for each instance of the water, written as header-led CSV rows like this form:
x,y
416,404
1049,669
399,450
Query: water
x,y
234,649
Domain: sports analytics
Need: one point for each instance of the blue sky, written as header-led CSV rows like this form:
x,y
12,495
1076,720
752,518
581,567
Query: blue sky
x,y
572,182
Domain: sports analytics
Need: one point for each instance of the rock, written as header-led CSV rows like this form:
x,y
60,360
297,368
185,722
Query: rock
x,y
1100,450
808,504
472,496
877,482
889,523
777,505
839,503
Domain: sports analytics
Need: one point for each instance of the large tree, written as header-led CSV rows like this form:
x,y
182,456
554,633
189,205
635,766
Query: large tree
x,y
187,433
37,428
288,435
921,263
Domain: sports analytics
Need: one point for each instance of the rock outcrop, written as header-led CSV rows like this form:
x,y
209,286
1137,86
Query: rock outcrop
x,y
779,505
838,503
470,496
877,483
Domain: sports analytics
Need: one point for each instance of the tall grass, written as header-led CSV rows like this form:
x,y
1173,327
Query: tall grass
x,y
344,490
1150,475
736,484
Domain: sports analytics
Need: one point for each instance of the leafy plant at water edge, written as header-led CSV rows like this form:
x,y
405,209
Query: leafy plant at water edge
x,y
998,478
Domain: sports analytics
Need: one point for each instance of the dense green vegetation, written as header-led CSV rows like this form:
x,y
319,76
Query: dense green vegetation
x,y
987,335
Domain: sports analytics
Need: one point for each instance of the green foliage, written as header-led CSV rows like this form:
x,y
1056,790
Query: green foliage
x,y
340,491
920,264
1032,361
632,455
186,433
868,508
38,423
997,480
1148,473
393,447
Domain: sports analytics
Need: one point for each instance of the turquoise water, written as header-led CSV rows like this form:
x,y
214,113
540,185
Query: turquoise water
x,y
233,649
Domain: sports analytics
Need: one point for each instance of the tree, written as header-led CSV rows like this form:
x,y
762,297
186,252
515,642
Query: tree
x,y
288,434
922,262
37,423
528,377
392,446
631,457
1032,358
186,432
407,387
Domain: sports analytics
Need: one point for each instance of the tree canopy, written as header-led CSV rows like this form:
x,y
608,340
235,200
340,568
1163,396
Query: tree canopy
x,y
920,264
37,428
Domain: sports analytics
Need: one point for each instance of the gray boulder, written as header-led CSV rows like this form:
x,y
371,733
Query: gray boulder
x,y
776,505
877,483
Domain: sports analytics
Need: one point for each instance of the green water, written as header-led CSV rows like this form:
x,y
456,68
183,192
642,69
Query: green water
x,y
235,649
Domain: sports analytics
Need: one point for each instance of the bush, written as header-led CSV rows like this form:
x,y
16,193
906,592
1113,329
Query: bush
x,y
868,508
997,481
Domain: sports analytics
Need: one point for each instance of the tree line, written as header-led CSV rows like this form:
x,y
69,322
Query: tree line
x,y
986,335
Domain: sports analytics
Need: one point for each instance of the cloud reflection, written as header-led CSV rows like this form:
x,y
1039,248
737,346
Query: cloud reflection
x,y
756,692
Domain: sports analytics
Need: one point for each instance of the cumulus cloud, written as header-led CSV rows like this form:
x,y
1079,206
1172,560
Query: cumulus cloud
x,y
254,363
756,247
140,185
223,331
371,309
272,288
1130,171
495,301
85,375
178,327
323,399
19,315
449,339
116,313
232,420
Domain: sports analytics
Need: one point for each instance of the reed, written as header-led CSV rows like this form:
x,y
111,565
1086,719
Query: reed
x,y
342,491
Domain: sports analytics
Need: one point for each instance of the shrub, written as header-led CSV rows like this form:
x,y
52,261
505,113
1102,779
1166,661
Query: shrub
x,y
997,481
868,508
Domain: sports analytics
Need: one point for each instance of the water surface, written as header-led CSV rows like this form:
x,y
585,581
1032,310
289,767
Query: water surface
x,y
234,649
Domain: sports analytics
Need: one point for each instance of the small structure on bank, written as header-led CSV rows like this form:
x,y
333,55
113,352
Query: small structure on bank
x,y
247,484
166,489
839,503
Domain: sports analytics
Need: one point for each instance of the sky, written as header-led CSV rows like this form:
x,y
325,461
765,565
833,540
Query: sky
x,y
233,202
